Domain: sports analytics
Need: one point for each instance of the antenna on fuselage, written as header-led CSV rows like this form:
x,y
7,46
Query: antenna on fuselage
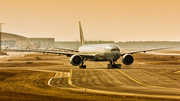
x,y
81,34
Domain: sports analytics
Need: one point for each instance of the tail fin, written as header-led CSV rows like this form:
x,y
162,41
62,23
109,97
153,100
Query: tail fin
x,y
81,34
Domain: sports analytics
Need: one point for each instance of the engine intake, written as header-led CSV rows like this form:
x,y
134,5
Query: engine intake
x,y
76,60
127,59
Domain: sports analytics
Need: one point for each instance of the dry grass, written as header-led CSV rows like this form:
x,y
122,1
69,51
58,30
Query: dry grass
x,y
28,64
37,57
165,63
156,58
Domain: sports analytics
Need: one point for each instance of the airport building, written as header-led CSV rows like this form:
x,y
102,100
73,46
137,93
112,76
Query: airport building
x,y
43,42
21,42
14,40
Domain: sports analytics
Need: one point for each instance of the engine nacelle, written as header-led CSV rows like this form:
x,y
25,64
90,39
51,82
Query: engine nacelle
x,y
127,59
75,60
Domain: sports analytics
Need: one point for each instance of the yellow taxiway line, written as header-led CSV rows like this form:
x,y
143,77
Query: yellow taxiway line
x,y
70,82
178,72
140,82
109,92
144,84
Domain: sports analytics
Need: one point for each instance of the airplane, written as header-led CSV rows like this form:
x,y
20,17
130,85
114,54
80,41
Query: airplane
x,y
5,47
98,52
46,48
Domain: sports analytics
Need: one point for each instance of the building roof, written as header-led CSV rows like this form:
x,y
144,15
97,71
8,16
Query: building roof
x,y
13,34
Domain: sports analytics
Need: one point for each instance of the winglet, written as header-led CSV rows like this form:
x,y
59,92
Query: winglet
x,y
81,34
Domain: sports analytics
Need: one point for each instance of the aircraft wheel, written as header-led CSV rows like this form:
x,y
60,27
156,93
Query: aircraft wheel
x,y
80,67
119,66
109,66
84,66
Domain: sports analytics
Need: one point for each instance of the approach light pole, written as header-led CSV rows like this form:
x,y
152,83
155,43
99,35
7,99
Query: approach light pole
x,y
1,53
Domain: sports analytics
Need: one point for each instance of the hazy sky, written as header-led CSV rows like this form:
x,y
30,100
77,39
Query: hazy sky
x,y
117,20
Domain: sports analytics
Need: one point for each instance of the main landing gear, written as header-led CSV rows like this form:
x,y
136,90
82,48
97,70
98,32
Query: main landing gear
x,y
113,65
110,66
82,66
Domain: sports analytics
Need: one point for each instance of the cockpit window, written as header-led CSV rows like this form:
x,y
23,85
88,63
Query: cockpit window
x,y
115,49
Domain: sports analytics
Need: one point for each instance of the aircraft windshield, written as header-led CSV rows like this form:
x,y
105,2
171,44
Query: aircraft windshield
x,y
115,49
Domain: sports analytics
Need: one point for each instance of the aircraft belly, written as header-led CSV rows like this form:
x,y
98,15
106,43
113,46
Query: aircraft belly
x,y
111,56
99,57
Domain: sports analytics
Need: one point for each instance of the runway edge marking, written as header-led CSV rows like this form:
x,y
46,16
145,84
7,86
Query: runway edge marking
x,y
50,82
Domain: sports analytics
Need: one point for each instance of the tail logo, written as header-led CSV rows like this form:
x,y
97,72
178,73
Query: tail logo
x,y
81,34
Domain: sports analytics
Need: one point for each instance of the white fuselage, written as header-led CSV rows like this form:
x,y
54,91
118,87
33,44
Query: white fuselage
x,y
102,52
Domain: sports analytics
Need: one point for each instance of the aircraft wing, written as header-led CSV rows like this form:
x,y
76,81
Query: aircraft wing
x,y
67,49
68,54
87,56
145,50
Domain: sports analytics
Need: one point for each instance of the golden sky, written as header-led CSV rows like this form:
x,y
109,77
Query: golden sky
x,y
117,20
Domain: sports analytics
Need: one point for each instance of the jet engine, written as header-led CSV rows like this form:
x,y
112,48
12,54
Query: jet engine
x,y
75,60
127,59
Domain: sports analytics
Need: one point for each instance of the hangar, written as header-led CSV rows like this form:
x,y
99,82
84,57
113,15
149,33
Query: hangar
x,y
21,42
14,40
42,42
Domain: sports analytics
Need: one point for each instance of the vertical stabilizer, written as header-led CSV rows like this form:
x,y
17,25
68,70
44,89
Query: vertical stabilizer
x,y
81,34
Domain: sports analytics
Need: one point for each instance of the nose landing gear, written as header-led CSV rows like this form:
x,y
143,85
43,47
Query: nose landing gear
x,y
113,65
82,66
